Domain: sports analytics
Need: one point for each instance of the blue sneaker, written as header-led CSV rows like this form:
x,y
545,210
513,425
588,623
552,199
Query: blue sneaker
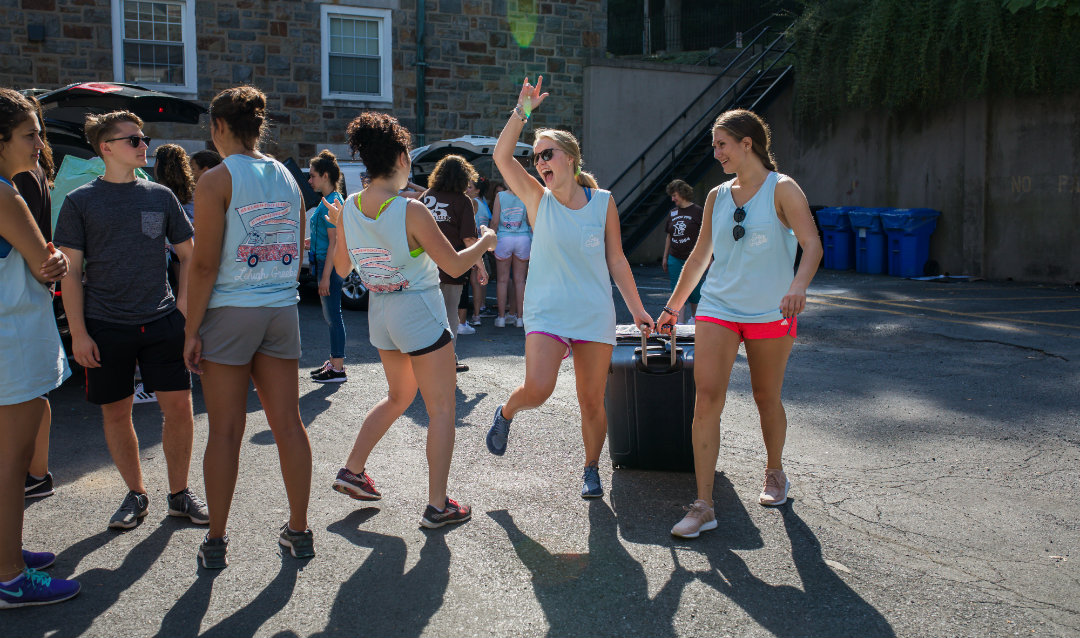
x,y
38,560
591,479
35,588
497,435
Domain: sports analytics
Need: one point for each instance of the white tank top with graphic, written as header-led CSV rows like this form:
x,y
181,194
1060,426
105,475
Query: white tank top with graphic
x,y
379,249
260,251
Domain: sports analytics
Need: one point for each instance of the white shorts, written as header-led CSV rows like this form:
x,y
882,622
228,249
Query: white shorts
x,y
519,246
406,321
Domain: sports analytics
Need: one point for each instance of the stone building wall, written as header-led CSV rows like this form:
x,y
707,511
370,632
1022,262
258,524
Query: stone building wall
x,y
475,61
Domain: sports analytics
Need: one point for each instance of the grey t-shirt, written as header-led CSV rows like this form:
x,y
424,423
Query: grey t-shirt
x,y
122,229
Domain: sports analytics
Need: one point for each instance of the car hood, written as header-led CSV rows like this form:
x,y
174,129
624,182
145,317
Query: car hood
x,y
470,147
72,103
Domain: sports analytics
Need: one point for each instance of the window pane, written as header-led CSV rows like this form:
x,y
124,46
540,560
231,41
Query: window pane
x,y
155,63
354,75
335,27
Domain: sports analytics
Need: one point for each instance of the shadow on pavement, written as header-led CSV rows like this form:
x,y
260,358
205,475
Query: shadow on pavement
x,y
248,619
576,591
381,598
826,606
101,588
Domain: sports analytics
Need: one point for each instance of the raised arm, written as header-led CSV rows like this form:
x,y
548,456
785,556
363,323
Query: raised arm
x,y
518,180
424,233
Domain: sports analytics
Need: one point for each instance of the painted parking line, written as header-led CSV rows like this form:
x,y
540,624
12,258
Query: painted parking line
x,y
923,308
996,324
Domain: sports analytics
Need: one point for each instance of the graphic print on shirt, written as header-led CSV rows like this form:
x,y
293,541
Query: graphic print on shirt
x,y
376,272
680,228
438,210
271,236
510,217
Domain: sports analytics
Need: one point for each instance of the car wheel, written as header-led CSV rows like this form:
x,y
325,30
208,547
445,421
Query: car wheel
x,y
354,295
286,259
252,260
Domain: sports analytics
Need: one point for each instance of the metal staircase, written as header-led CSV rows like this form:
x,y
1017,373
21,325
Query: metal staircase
x,y
640,189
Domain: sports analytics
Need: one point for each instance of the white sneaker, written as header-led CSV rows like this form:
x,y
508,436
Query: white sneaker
x,y
475,321
519,322
500,322
142,396
465,329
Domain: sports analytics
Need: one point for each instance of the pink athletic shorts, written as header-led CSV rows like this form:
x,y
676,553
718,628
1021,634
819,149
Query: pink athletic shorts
x,y
770,330
565,342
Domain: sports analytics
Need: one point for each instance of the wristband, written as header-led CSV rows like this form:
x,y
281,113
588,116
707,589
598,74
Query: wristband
x,y
673,313
520,112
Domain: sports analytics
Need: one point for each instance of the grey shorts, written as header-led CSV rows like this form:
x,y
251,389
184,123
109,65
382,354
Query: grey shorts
x,y
232,335
406,321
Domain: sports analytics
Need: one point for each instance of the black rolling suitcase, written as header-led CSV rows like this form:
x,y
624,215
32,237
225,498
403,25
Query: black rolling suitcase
x,y
650,400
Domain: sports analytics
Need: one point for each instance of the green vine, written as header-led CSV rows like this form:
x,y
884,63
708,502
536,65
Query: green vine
x,y
921,54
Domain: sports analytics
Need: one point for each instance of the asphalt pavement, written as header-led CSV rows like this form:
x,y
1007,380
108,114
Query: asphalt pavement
x,y
932,449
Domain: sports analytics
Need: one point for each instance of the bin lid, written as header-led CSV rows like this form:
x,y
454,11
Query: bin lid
x,y
835,217
869,218
910,219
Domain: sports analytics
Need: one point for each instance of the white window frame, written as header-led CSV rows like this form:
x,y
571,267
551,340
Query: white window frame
x,y
386,48
190,88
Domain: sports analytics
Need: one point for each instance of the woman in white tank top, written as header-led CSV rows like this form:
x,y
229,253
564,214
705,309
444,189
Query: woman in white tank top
x,y
750,228
395,244
577,251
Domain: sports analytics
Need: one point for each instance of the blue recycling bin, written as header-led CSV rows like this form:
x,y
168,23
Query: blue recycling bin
x,y
870,255
908,231
837,238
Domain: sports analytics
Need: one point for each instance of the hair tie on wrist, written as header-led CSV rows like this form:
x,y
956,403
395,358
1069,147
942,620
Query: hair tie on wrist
x,y
671,312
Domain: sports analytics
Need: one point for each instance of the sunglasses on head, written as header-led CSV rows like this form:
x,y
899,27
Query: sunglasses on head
x,y
738,231
545,155
134,140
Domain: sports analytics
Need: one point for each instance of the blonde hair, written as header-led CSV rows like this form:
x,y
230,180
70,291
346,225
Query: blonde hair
x,y
568,144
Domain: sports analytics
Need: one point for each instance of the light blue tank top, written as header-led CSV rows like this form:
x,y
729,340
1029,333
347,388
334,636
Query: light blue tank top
x,y
483,213
512,217
379,249
32,358
750,276
568,289
260,254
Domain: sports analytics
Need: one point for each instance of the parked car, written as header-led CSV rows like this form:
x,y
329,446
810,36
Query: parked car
x,y
477,149
65,111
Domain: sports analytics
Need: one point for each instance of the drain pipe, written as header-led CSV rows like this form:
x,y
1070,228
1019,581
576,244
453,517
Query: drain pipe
x,y
421,66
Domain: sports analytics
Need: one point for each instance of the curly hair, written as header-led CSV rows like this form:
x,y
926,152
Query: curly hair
x,y
15,108
683,189
99,127
568,144
741,123
379,140
171,168
452,174
325,163
243,109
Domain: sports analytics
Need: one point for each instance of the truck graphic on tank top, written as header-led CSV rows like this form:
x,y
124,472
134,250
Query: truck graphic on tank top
x,y
271,235
376,272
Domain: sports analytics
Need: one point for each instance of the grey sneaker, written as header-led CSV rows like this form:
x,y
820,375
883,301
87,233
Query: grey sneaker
x,y
300,544
187,504
497,435
590,483
212,552
131,510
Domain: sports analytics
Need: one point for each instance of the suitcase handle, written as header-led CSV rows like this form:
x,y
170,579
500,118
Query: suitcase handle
x,y
644,360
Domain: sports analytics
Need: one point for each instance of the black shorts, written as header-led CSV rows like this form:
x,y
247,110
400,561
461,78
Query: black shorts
x,y
158,348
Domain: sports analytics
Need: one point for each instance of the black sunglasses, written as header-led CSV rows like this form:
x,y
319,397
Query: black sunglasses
x,y
545,155
739,231
133,140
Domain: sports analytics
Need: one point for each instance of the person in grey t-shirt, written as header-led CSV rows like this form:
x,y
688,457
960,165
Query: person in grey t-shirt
x,y
125,312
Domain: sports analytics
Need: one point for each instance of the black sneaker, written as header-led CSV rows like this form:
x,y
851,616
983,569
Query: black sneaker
x,y
37,488
131,510
187,504
488,312
358,486
325,365
330,375
212,552
453,513
300,544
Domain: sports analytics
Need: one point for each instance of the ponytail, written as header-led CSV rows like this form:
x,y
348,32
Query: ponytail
x,y
586,179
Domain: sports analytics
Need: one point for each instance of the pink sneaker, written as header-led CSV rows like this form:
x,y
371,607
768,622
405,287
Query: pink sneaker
x,y
776,487
699,518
